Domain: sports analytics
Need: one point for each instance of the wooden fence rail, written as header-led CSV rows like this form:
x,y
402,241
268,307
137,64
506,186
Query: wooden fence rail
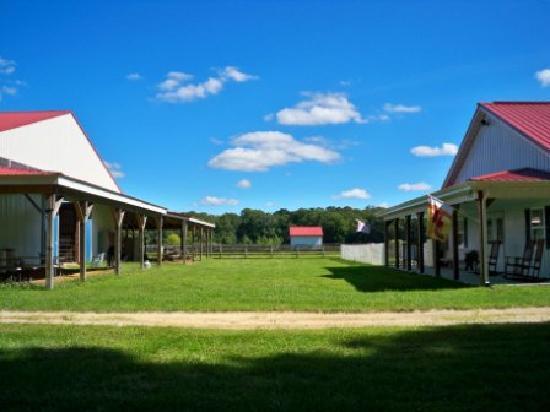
x,y
242,251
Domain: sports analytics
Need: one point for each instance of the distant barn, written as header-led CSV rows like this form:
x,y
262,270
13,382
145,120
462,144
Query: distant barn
x,y
306,237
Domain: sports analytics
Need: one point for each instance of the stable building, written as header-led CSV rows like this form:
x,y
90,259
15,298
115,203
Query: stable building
x,y
59,202
499,189
306,237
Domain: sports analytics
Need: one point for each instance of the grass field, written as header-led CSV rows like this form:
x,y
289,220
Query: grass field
x,y
504,367
309,284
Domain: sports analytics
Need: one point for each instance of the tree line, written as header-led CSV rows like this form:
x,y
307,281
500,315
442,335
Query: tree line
x,y
253,226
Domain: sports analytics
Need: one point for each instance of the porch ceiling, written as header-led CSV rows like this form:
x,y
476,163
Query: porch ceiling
x,y
512,193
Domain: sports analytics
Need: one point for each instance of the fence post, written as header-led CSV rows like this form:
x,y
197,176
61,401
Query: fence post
x,y
246,252
296,253
271,250
323,249
220,250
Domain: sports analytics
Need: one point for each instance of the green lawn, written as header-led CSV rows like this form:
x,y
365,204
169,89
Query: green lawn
x,y
484,368
311,284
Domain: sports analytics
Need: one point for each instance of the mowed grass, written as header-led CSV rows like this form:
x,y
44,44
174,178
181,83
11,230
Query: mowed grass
x,y
498,367
304,284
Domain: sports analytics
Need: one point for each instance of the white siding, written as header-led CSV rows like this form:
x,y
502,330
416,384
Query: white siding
x,y
103,224
306,241
498,147
20,225
59,145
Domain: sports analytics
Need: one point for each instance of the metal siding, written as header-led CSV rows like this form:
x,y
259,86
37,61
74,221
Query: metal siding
x,y
306,240
497,147
59,145
102,224
20,225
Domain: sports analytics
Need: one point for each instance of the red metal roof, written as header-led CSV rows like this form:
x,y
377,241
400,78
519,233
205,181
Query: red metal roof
x,y
306,231
532,119
516,175
8,171
11,120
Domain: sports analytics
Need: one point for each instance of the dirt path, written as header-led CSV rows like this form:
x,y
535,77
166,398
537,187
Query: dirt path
x,y
280,320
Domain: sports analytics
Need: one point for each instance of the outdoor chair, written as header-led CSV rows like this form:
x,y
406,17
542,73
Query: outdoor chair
x,y
518,267
493,257
537,260
98,260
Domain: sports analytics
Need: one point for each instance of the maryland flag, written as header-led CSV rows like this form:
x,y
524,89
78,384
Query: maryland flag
x,y
439,219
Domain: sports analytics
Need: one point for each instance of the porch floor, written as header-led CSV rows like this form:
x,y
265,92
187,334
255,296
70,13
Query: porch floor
x,y
471,278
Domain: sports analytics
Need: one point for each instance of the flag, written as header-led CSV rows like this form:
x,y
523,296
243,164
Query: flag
x,y
439,219
362,227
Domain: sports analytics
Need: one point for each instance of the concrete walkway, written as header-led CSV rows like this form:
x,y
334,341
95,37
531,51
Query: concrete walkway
x,y
280,320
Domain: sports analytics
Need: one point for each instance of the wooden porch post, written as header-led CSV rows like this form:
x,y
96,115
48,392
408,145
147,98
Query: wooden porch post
x,y
456,269
118,217
483,264
159,240
408,238
207,242
420,240
184,229
142,221
83,212
193,237
396,241
387,243
51,211
201,242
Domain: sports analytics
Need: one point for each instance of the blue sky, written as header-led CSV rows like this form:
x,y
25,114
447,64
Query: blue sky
x,y
311,103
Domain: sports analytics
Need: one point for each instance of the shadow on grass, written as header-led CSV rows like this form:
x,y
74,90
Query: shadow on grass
x,y
460,368
378,279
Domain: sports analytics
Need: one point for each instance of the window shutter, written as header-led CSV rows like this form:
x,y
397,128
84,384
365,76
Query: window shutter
x,y
465,235
527,225
547,226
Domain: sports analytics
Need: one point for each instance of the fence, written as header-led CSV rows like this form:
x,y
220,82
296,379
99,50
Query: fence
x,y
372,253
241,251
220,251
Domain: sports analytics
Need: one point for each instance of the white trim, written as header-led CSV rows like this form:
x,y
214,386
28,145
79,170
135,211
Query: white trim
x,y
117,197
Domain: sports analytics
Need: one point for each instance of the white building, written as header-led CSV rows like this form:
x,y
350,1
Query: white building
x,y
499,186
59,201
306,237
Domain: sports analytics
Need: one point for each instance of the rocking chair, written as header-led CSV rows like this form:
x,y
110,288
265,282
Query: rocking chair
x,y
520,265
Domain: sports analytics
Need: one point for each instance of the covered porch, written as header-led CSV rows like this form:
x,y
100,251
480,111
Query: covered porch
x,y
500,231
49,220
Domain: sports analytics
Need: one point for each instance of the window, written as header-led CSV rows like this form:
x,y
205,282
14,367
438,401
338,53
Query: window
x,y
537,224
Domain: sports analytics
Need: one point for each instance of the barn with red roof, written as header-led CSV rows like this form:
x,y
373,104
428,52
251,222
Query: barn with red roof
x,y
306,237
60,204
498,189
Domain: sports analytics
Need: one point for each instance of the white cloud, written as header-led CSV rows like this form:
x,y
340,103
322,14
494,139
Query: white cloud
x,y
401,108
7,66
270,203
235,74
218,201
543,76
344,83
259,151
446,149
175,88
413,187
115,169
320,108
11,90
133,77
244,184
355,193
